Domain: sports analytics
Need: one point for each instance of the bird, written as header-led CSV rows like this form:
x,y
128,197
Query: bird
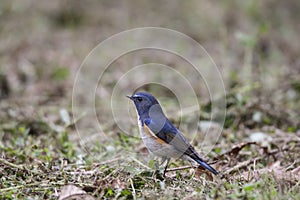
x,y
160,136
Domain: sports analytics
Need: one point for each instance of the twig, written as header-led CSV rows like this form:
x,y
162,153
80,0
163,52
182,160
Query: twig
x,y
12,165
140,163
179,168
133,189
30,185
240,165
106,162
235,149
17,187
110,174
90,172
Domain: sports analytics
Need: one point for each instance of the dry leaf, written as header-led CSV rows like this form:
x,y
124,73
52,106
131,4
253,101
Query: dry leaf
x,y
199,171
69,192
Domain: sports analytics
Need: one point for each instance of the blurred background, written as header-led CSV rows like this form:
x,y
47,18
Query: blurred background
x,y
255,45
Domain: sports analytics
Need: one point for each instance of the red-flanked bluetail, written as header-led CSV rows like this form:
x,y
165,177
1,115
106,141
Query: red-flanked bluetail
x,y
159,135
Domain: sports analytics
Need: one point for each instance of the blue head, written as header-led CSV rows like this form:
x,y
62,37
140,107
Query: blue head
x,y
143,102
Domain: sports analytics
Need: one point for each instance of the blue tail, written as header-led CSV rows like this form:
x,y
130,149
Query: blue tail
x,y
194,155
206,166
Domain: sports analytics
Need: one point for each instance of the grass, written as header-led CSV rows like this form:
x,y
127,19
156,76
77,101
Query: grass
x,y
39,165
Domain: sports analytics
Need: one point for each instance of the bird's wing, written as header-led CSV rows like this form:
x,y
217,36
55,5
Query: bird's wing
x,y
171,135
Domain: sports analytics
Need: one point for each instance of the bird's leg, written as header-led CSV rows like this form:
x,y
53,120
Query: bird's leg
x,y
163,160
168,160
158,166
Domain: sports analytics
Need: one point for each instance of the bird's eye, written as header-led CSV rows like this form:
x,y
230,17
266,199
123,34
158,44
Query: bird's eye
x,y
139,99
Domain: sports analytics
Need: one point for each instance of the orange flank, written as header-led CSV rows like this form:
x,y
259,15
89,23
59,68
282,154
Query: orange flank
x,y
151,134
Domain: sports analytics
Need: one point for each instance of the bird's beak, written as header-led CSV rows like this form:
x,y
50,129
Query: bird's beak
x,y
130,97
